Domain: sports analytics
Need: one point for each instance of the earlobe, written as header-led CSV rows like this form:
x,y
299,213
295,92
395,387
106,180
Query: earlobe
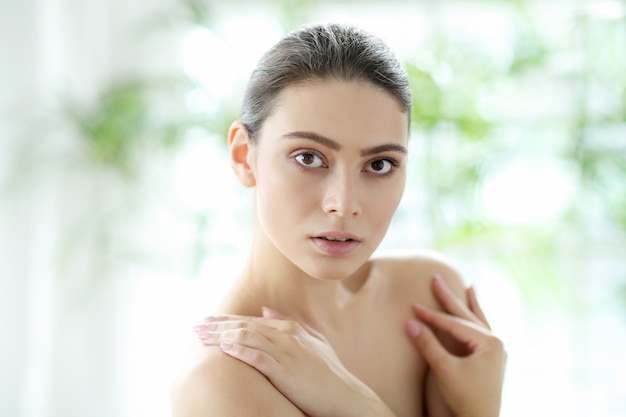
x,y
239,148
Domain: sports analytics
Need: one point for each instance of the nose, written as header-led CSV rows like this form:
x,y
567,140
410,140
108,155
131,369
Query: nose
x,y
342,195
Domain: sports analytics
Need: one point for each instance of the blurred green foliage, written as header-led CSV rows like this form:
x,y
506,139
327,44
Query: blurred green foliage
x,y
583,64
461,140
547,260
123,123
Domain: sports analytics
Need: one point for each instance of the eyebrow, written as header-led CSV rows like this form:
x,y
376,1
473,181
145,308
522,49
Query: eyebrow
x,y
334,145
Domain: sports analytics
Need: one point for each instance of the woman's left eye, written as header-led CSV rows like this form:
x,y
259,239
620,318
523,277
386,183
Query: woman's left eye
x,y
380,166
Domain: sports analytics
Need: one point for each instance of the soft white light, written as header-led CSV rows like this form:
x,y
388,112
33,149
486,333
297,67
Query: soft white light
x,y
222,60
206,59
200,164
607,9
530,189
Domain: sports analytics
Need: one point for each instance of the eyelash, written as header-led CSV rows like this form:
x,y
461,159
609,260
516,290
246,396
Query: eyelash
x,y
394,163
392,170
308,152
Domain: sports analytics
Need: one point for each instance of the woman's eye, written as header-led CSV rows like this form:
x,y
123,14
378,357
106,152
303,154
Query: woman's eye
x,y
380,166
309,160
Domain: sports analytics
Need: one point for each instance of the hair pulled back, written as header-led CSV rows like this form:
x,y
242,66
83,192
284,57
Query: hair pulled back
x,y
317,52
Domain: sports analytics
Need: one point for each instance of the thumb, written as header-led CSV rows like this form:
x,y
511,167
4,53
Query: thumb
x,y
428,345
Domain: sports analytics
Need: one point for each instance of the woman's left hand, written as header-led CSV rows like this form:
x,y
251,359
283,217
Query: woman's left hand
x,y
471,383
298,361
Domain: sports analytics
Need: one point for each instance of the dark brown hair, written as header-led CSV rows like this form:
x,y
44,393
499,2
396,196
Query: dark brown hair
x,y
318,52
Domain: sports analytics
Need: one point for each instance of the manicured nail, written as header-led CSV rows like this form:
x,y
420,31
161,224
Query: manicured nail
x,y
413,328
200,328
226,345
210,319
417,305
473,288
440,280
204,334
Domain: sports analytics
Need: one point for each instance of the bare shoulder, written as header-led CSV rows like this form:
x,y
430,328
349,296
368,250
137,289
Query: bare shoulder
x,y
211,383
411,272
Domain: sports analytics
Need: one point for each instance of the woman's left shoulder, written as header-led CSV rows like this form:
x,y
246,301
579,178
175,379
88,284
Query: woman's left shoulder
x,y
414,270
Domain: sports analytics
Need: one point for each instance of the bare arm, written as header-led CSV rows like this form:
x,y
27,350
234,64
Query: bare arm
x,y
218,385
297,361
295,365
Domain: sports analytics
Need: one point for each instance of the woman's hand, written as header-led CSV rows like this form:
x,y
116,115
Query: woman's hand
x,y
471,384
297,360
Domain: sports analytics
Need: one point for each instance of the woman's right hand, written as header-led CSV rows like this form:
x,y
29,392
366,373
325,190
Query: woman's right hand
x,y
297,360
471,385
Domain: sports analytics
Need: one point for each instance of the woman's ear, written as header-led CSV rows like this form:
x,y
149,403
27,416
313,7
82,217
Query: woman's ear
x,y
239,149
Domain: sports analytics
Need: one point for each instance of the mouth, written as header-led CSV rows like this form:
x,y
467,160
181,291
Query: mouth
x,y
335,239
336,244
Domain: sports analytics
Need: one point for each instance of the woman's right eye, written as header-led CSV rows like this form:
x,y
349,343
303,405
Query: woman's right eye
x,y
309,160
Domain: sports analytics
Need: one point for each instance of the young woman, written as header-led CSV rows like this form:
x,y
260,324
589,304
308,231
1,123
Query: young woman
x,y
315,325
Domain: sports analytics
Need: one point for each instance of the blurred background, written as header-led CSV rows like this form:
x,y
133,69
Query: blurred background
x,y
121,224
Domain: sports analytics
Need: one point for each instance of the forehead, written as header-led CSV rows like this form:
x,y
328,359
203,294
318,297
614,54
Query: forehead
x,y
344,110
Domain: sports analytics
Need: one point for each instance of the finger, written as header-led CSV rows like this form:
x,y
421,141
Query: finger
x,y
224,324
475,307
465,331
449,301
258,359
234,321
273,314
226,317
209,332
241,337
217,318
275,321
271,328
428,345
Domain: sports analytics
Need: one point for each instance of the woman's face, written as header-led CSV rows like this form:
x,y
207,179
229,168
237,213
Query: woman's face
x,y
330,170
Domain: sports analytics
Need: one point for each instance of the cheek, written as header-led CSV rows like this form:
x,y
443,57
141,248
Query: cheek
x,y
383,205
283,197
388,195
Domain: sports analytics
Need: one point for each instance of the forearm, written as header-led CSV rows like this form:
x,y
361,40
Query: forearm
x,y
367,405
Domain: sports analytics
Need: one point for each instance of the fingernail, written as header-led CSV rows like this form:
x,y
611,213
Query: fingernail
x,y
413,328
440,280
204,334
415,304
210,319
473,287
200,328
226,346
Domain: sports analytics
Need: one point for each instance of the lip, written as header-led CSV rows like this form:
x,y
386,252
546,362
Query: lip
x,y
336,247
338,235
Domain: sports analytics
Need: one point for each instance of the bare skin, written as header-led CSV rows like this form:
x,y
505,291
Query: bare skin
x,y
482,363
367,334
339,337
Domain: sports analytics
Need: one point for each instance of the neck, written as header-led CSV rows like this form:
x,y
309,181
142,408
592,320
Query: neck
x,y
269,279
